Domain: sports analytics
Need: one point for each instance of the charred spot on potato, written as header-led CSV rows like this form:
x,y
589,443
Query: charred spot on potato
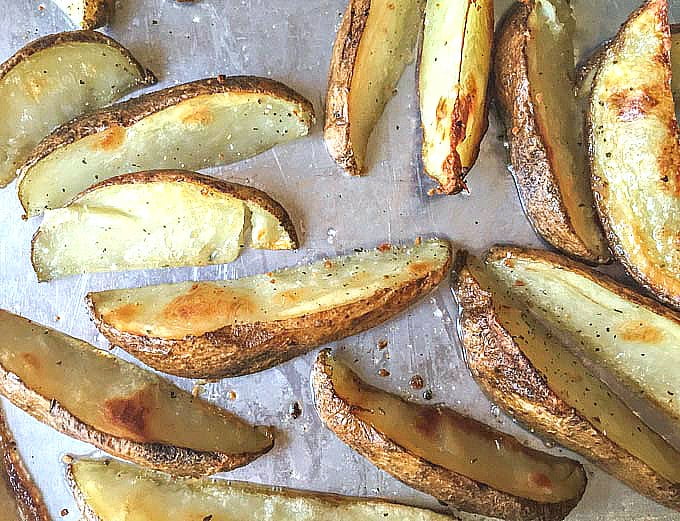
x,y
31,360
428,421
110,139
130,414
540,480
634,104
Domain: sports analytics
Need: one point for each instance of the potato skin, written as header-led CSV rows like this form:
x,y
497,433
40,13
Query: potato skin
x,y
248,348
98,13
507,376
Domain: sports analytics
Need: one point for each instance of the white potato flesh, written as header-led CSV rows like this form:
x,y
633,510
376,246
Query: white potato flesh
x,y
51,87
114,491
173,311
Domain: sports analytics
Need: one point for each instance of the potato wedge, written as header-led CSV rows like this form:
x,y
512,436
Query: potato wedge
x,y
20,499
442,453
372,47
105,488
157,219
87,14
634,149
118,407
532,375
236,327
454,68
534,87
55,78
196,125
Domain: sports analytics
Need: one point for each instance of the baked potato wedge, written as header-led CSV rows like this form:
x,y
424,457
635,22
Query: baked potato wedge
x,y
196,125
534,86
442,453
531,374
55,78
634,149
157,219
237,327
372,47
87,14
118,407
105,488
454,69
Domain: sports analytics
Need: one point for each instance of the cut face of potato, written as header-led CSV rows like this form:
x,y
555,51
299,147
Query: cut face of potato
x,y
196,125
87,14
52,80
105,489
158,219
634,150
455,63
372,47
436,450
136,415
533,376
236,327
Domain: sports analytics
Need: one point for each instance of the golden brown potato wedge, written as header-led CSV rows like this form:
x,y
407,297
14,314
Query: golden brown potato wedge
x,y
196,125
529,372
440,452
372,47
118,407
634,149
157,219
454,68
534,84
105,488
88,14
55,78
236,327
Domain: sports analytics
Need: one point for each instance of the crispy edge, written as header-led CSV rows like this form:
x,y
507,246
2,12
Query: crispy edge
x,y
249,348
445,485
98,13
507,377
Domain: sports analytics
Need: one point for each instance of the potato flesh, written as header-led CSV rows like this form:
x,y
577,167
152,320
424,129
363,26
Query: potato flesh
x,y
200,132
385,49
119,492
150,225
8,502
53,86
133,403
173,311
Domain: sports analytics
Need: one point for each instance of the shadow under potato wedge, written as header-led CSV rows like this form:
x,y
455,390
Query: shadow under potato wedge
x,y
236,327
205,123
118,407
88,14
528,371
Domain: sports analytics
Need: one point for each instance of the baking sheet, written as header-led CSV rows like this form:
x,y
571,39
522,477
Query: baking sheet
x,y
290,40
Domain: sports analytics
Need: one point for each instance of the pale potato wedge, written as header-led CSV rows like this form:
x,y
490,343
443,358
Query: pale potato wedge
x,y
534,87
87,14
532,375
634,149
118,407
196,125
157,219
454,68
442,453
55,78
373,45
104,489
236,327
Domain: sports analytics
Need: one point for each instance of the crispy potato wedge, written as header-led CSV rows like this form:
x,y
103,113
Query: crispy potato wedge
x,y
20,499
105,488
236,327
118,407
634,149
373,45
55,78
534,86
533,376
87,14
454,68
157,219
442,453
196,125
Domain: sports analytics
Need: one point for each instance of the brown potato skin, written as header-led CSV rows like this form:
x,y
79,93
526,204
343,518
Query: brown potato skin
x,y
445,485
509,379
98,13
529,155
249,348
